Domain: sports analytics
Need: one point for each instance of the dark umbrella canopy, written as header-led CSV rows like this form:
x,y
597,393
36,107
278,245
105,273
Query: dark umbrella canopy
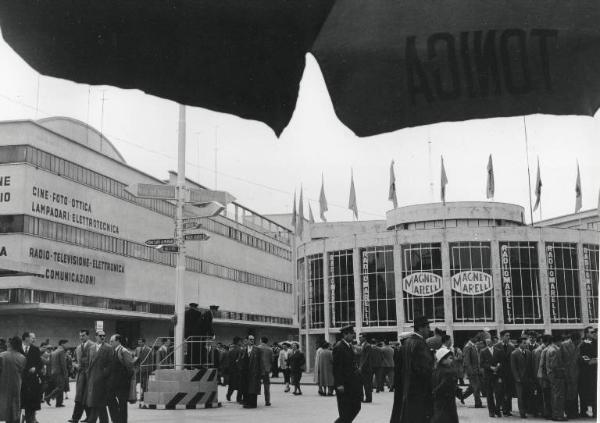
x,y
388,64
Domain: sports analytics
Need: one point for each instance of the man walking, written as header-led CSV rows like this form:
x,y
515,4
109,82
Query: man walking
x,y
501,359
31,386
588,365
555,369
346,377
144,364
414,403
96,397
366,368
119,380
267,358
233,359
82,357
473,370
251,369
490,379
59,374
282,362
387,365
521,367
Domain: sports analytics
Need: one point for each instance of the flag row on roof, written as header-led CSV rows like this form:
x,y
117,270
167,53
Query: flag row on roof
x,y
298,217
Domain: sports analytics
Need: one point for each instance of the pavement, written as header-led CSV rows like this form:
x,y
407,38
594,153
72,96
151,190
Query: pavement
x,y
287,408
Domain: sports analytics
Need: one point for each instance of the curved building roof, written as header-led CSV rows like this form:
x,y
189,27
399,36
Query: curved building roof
x,y
81,133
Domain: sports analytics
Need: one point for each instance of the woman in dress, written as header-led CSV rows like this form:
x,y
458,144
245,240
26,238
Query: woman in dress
x,y
326,370
444,388
12,363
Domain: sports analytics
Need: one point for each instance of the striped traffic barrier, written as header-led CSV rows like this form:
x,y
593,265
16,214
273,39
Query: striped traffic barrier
x,y
182,389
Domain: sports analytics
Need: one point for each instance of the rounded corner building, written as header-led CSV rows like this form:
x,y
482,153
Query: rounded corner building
x,y
467,266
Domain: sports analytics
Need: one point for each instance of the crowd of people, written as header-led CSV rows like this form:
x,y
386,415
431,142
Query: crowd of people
x,y
552,376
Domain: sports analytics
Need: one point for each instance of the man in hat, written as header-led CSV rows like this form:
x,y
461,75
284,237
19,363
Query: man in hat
x,y
346,377
501,359
413,402
522,367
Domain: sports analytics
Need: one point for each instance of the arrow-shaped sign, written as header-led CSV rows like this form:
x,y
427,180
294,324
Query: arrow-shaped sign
x,y
164,192
191,223
196,237
168,248
160,241
206,196
204,210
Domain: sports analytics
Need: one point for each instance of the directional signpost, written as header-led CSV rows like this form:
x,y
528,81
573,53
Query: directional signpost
x,y
160,241
196,237
197,204
168,248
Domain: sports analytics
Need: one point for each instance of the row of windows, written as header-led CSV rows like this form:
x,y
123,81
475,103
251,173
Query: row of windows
x,y
81,175
64,233
27,296
455,223
472,285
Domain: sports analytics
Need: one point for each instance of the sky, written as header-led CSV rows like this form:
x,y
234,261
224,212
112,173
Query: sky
x,y
246,158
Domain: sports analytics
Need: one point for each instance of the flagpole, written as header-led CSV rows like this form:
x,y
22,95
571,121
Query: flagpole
x,y
528,170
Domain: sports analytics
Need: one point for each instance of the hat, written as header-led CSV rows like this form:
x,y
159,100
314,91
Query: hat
x,y
420,321
100,333
193,305
441,353
347,329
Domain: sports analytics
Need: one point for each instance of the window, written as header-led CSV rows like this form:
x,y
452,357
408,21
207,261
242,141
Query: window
x,y
316,300
341,288
521,297
377,270
422,282
301,284
471,282
11,223
590,275
563,281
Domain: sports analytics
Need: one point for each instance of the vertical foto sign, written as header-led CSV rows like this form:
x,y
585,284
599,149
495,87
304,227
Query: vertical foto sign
x,y
506,284
365,289
552,283
587,276
332,288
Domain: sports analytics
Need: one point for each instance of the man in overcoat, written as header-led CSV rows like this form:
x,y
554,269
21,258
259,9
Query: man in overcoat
x,y
346,377
233,359
82,361
31,385
588,365
416,361
251,369
59,374
473,370
556,371
267,358
570,351
544,400
119,380
492,386
502,351
144,362
366,368
521,365
96,397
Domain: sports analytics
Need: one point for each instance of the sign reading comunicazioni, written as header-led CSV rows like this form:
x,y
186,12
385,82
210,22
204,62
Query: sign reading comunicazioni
x,y
422,284
472,282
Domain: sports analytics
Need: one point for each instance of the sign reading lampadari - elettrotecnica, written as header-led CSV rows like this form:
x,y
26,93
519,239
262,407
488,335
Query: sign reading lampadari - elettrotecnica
x,y
472,282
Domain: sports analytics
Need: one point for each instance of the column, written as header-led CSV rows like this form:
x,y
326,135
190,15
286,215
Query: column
x,y
307,312
326,289
585,315
497,279
544,287
400,321
356,266
446,286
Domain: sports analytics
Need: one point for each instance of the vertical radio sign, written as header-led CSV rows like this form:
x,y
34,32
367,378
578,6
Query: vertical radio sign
x,y
587,275
365,289
506,284
332,288
550,259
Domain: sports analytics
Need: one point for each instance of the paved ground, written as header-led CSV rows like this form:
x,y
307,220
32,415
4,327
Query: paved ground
x,y
286,408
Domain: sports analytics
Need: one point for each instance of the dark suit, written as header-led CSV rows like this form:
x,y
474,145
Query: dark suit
x,y
346,374
31,386
490,381
233,368
366,370
59,375
82,357
267,358
191,327
119,379
97,385
473,370
521,367
251,371
501,356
